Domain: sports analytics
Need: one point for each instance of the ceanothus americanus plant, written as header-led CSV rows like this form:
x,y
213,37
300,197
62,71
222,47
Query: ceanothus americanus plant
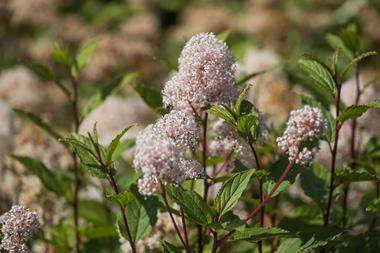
x,y
212,173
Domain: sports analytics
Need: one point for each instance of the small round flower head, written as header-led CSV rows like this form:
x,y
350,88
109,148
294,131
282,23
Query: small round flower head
x,y
179,127
160,154
205,74
307,123
226,138
18,225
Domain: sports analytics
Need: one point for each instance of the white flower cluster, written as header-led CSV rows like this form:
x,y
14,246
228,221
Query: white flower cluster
x,y
304,124
161,149
18,225
205,74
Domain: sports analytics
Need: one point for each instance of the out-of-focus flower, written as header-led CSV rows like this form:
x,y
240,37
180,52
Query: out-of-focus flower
x,y
206,74
114,115
32,12
20,87
114,51
160,152
72,29
18,226
270,91
144,26
226,139
371,19
197,19
266,24
40,50
7,130
307,123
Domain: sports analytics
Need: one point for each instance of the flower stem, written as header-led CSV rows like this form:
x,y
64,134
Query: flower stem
x,y
205,183
172,218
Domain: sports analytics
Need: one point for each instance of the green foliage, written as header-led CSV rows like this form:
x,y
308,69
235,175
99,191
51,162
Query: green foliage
x,y
260,233
40,123
122,198
194,207
107,91
319,72
169,248
52,180
141,215
222,112
151,97
114,144
355,111
83,57
230,193
315,183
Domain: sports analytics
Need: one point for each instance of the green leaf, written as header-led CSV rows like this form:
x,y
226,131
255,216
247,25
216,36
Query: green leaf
x,y
269,184
223,36
122,199
228,196
374,206
169,248
83,148
107,91
315,183
114,144
62,56
260,233
151,97
193,205
141,215
87,211
319,73
245,123
240,99
100,232
84,56
52,181
40,123
338,44
222,112
347,175
40,70
353,111
354,61
289,245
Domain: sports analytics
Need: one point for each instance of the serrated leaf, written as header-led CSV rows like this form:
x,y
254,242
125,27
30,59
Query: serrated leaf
x,y
354,61
52,181
114,144
83,148
141,216
269,184
315,183
353,111
346,175
84,56
193,205
260,233
107,91
122,199
228,196
151,97
222,112
245,123
319,73
169,248
289,245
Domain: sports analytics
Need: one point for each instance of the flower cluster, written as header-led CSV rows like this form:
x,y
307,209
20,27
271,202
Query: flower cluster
x,y
18,225
304,124
205,74
161,150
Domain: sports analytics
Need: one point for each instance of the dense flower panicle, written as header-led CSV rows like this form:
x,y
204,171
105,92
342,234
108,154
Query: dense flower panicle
x,y
18,225
205,74
160,152
304,124
179,127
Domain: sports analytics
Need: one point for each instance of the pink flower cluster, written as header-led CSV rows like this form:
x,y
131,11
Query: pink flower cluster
x,y
17,226
205,75
304,124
